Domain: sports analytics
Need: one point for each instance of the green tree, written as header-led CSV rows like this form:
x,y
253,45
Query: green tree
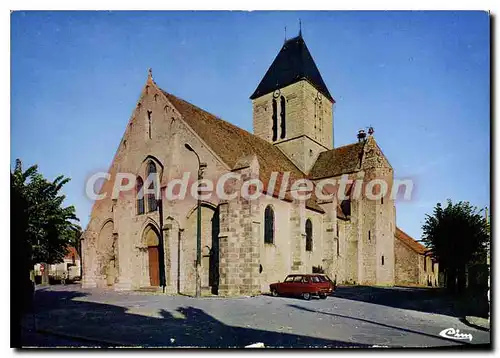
x,y
457,234
45,227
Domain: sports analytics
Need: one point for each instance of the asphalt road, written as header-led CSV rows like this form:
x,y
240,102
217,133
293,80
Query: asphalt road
x,y
353,317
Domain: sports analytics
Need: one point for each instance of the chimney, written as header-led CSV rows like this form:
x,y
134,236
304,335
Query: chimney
x,y
361,135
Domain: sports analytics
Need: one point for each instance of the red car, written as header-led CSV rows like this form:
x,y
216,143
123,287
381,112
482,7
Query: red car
x,y
304,285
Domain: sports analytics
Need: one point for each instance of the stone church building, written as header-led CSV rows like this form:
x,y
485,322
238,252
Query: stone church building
x,y
137,243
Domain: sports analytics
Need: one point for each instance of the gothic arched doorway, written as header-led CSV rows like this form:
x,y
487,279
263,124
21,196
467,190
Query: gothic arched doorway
x,y
152,241
209,251
106,247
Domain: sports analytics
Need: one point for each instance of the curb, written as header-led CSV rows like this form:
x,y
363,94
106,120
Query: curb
x,y
83,338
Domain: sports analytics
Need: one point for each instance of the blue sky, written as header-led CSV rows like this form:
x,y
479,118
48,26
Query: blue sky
x,y
421,79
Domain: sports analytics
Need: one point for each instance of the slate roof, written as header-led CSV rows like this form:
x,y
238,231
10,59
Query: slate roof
x,y
337,161
292,64
409,241
232,143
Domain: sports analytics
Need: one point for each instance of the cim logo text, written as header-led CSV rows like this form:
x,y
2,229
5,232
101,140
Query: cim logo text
x,y
455,334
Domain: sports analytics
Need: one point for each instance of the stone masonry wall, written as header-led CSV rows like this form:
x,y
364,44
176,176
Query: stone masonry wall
x,y
275,258
166,148
263,112
239,246
406,266
246,264
309,123
317,116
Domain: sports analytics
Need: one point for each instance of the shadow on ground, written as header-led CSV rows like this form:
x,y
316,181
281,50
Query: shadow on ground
x,y
59,312
402,329
431,300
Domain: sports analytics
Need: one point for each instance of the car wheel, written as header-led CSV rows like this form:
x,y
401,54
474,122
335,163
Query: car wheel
x,y
322,296
306,296
274,293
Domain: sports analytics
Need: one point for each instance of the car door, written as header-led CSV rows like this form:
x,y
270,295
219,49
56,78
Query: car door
x,y
306,285
285,287
297,284
319,283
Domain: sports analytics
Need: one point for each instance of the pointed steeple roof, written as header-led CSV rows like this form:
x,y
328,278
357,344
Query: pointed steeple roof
x,y
293,63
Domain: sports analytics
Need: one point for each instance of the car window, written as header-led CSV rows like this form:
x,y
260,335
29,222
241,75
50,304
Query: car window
x,y
289,279
321,278
305,279
297,279
315,279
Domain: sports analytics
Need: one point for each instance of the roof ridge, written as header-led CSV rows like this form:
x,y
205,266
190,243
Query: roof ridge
x,y
233,126
346,145
191,104
209,113
405,235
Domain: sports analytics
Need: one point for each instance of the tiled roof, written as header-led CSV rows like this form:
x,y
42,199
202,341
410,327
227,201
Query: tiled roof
x,y
72,252
292,64
337,161
232,143
408,240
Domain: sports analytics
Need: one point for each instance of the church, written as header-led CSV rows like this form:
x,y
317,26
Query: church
x,y
135,242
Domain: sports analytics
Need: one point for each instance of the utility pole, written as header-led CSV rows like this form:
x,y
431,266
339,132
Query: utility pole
x,y
201,168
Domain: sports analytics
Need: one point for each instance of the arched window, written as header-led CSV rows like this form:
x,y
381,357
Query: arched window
x,y
269,225
140,195
282,115
152,203
382,260
275,120
309,235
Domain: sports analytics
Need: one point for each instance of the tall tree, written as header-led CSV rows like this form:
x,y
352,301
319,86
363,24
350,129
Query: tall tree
x,y
48,226
456,234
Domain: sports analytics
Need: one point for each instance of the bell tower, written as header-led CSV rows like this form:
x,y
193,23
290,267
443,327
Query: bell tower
x,y
292,107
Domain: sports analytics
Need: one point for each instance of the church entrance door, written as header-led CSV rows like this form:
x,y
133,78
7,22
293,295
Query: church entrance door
x,y
154,272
